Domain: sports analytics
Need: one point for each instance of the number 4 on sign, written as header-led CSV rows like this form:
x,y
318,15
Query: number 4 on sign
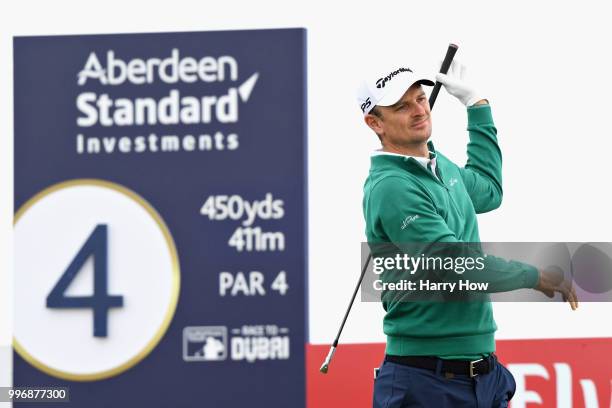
x,y
280,283
96,246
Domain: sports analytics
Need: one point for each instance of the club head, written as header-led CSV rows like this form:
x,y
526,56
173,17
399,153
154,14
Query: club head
x,y
328,359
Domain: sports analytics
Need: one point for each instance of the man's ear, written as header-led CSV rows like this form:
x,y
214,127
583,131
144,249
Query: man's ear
x,y
374,123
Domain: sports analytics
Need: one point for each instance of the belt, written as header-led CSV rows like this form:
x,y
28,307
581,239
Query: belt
x,y
463,367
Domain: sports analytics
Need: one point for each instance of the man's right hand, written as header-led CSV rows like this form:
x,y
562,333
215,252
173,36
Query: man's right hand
x,y
553,281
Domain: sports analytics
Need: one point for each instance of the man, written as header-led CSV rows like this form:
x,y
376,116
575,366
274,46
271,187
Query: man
x,y
438,354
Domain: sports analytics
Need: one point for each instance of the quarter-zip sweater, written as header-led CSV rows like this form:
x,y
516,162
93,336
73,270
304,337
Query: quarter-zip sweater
x,y
405,203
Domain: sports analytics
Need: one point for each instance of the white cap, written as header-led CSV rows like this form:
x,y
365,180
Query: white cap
x,y
387,88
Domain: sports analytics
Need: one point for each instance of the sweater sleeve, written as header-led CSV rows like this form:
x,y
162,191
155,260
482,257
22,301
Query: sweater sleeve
x,y
410,221
482,174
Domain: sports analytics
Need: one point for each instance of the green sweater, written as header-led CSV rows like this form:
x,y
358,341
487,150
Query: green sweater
x,y
405,203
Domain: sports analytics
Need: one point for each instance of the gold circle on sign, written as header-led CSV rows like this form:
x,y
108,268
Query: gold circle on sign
x,y
176,281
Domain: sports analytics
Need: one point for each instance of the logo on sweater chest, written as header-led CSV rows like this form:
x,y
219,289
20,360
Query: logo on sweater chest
x,y
408,220
452,181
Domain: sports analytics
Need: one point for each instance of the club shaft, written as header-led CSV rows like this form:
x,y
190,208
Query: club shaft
x,y
365,267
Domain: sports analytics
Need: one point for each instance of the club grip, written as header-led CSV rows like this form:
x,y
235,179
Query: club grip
x,y
450,54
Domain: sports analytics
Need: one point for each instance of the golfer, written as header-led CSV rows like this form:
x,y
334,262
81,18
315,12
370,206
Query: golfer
x,y
438,354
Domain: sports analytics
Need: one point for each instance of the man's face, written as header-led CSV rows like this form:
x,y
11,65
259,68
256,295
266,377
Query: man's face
x,y
407,122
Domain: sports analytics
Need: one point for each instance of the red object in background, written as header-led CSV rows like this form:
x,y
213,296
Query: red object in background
x,y
350,379
549,373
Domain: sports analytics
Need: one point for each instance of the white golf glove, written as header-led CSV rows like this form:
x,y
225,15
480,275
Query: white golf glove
x,y
455,85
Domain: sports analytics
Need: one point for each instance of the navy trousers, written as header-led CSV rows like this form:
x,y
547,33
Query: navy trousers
x,y
400,386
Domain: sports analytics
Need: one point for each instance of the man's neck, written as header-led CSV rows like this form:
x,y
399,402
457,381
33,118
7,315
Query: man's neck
x,y
419,150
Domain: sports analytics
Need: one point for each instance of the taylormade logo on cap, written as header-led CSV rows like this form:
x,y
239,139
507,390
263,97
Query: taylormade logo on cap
x,y
384,80
387,90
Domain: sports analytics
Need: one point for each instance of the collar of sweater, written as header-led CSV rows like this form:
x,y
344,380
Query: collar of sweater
x,y
421,160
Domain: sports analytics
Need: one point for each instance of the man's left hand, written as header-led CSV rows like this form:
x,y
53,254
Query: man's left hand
x,y
455,84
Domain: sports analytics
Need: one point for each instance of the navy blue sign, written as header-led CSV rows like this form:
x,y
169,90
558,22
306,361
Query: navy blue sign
x,y
160,233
